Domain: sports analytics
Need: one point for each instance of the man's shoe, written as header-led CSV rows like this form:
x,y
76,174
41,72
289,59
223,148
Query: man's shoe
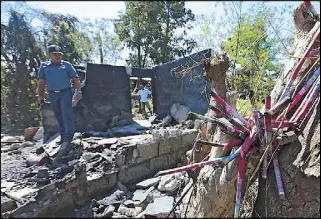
x,y
63,149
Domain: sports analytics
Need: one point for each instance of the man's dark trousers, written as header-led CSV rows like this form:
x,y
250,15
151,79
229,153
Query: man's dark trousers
x,y
61,104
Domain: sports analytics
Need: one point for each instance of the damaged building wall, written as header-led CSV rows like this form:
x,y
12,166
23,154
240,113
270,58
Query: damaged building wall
x,y
106,92
181,82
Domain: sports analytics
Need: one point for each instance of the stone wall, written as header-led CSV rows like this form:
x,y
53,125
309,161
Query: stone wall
x,y
189,90
135,163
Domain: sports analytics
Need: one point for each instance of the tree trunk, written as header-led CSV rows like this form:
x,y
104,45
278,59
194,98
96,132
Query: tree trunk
x,y
299,164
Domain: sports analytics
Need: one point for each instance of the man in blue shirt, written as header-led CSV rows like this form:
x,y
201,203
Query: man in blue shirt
x,y
57,74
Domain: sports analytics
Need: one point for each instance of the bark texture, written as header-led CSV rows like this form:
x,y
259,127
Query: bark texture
x,y
299,162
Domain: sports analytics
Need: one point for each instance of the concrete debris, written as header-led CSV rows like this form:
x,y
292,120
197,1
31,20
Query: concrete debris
x,y
148,183
118,197
108,212
167,121
6,185
129,203
160,207
107,141
190,124
43,173
98,155
22,192
122,187
11,147
9,138
39,134
141,195
130,212
152,119
170,183
179,112
27,144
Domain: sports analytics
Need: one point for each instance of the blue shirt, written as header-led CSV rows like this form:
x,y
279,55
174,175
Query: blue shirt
x,y
57,76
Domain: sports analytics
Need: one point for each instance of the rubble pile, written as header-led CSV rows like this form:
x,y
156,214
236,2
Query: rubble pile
x,y
29,166
154,197
178,117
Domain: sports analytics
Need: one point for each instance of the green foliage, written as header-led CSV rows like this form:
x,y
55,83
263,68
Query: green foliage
x,y
62,31
20,57
147,28
256,55
105,44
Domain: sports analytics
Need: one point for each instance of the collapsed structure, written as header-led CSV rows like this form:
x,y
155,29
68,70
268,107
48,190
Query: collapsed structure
x,y
108,168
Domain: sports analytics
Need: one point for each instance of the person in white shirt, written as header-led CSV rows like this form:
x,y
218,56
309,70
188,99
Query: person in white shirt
x,y
144,95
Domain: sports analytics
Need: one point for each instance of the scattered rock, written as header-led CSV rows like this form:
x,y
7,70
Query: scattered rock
x,y
140,195
108,212
167,121
190,124
122,187
8,138
129,203
179,112
160,207
7,185
152,119
130,212
113,147
39,134
170,183
27,144
152,195
148,183
43,173
22,192
107,141
117,197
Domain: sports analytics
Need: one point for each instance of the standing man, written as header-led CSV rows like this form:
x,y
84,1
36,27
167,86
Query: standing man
x,y
144,96
57,74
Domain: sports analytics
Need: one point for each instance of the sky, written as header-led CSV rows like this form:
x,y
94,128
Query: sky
x,y
110,9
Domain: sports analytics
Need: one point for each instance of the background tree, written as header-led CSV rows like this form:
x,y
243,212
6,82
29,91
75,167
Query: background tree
x,y
64,31
150,30
20,57
105,43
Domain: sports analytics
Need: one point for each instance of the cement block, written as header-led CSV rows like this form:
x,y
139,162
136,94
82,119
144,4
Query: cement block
x,y
146,151
170,144
101,184
175,157
159,163
188,138
126,155
135,173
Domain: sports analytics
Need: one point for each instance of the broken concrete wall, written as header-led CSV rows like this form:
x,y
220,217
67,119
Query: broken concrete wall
x,y
187,89
163,151
160,151
105,94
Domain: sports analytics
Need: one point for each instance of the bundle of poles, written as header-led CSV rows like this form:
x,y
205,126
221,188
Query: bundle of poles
x,y
262,130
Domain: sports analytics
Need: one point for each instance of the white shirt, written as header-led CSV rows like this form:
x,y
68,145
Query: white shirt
x,y
144,95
